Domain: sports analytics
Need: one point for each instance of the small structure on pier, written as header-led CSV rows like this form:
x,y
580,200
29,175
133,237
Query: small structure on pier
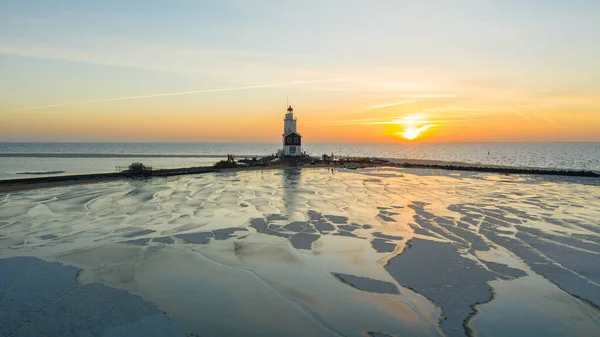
x,y
292,140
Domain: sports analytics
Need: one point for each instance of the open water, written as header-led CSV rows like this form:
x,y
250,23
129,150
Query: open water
x,y
38,159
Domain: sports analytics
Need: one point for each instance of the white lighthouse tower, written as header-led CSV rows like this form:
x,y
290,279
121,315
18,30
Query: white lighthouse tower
x,y
292,140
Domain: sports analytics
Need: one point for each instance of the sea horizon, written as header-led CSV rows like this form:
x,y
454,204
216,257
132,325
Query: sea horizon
x,y
278,141
66,158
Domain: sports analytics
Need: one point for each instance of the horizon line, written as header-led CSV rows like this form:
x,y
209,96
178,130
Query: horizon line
x,y
403,142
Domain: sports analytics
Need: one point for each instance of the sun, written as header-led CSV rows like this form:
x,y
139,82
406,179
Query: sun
x,y
410,133
414,126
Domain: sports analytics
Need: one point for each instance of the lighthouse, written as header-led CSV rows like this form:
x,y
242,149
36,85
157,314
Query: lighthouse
x,y
292,140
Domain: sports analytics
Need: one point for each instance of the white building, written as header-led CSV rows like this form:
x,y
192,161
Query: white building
x,y
292,140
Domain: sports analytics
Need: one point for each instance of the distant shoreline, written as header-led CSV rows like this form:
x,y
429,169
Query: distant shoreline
x,y
11,185
112,155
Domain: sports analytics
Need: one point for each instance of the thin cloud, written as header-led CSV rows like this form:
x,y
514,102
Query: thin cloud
x,y
414,96
382,106
429,96
167,94
393,120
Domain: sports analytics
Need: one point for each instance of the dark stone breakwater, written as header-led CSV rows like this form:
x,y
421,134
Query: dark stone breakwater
x,y
38,182
505,170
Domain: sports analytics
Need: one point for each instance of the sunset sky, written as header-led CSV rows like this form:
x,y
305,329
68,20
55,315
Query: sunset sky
x,y
354,71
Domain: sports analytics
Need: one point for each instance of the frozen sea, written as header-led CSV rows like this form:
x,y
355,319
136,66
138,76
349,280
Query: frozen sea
x,y
304,252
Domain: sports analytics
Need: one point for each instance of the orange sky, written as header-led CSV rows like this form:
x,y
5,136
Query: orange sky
x,y
493,72
350,117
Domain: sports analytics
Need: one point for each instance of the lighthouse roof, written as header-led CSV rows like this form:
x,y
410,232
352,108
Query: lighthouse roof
x,y
292,133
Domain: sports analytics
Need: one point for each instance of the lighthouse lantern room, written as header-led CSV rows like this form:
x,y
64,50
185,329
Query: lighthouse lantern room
x,y
292,140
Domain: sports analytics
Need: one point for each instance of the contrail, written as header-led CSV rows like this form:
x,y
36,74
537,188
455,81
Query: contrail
x,y
523,115
168,94
544,116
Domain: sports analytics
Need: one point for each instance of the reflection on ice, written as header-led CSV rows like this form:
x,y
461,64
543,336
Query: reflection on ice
x,y
380,252
525,306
